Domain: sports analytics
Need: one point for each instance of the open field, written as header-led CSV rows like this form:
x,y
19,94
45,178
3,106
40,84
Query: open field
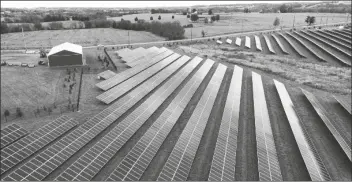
x,y
34,88
83,37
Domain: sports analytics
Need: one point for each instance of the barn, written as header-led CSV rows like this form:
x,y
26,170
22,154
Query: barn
x,y
66,54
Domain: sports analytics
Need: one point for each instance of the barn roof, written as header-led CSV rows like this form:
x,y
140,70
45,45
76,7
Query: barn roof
x,y
66,46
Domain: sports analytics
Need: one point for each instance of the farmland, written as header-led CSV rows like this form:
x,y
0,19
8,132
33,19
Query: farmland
x,y
84,37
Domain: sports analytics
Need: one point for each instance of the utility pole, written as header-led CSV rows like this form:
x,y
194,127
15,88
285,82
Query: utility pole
x,y
294,18
191,33
129,40
242,26
24,40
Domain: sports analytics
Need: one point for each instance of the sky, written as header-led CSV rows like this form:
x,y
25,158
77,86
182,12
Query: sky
x,y
123,4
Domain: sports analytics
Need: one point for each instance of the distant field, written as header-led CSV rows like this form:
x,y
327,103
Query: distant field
x,y
258,21
84,37
165,17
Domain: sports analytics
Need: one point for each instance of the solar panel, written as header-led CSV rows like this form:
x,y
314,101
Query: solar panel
x,y
119,135
224,158
238,41
347,53
106,74
268,164
143,152
10,134
24,148
119,78
339,34
257,43
331,39
293,45
336,56
248,42
180,160
139,55
343,141
268,43
282,47
116,92
336,37
134,54
144,59
344,104
71,143
315,166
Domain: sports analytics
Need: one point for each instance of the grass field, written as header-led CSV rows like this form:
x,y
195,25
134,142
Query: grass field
x,y
32,88
84,37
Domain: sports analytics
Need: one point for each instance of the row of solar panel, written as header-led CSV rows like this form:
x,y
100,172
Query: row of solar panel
x,y
119,135
144,151
10,134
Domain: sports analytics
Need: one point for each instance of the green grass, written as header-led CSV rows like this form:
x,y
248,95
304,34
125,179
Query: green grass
x,y
322,76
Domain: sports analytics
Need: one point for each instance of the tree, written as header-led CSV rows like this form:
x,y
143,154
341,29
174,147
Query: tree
x,y
151,18
136,19
19,112
246,10
194,17
38,26
194,10
203,33
206,20
213,18
4,28
173,16
49,110
217,17
283,8
188,16
276,22
6,113
310,20
210,12
159,17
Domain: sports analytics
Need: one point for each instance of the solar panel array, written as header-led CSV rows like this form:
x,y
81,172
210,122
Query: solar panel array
x,y
336,56
268,164
339,34
347,53
315,166
292,44
344,142
98,155
181,158
344,104
143,152
10,134
305,45
331,39
247,42
257,43
121,77
268,43
27,146
135,54
336,37
224,158
145,59
238,41
282,47
71,143
116,92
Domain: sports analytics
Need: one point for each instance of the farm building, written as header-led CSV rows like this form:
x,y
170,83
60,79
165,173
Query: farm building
x,y
66,54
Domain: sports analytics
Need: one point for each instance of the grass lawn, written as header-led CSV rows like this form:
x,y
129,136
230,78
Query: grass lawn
x,y
32,88
84,37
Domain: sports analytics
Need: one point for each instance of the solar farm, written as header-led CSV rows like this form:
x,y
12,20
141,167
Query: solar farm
x,y
176,117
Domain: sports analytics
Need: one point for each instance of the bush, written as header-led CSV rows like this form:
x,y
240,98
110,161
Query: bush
x,y
4,28
159,18
55,26
194,17
19,112
38,26
188,16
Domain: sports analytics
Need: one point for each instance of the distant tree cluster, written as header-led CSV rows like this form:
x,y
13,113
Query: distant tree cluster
x,y
51,18
246,10
310,20
154,11
80,18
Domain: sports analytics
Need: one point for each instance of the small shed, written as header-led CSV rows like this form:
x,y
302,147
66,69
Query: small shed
x,y
66,54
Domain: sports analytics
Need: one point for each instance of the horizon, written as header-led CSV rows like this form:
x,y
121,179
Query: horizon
x,y
127,4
